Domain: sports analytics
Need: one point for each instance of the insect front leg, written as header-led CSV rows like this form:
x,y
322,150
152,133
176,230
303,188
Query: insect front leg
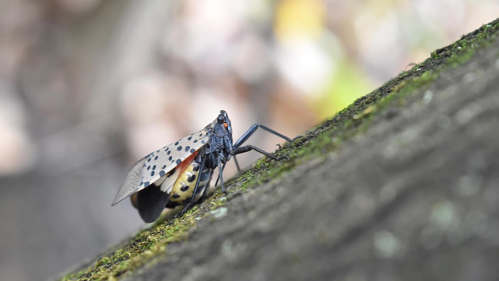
x,y
247,148
253,129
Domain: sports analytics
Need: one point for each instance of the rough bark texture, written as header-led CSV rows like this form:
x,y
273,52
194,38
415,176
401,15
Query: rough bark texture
x,y
416,197
412,196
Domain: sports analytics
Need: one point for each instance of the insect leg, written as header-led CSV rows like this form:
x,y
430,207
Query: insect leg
x,y
247,148
237,164
223,168
206,188
220,175
253,129
196,187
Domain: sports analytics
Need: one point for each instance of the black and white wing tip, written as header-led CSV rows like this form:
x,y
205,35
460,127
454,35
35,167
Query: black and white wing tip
x,y
131,184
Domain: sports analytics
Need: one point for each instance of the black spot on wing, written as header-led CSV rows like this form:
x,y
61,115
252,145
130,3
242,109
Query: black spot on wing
x,y
152,173
191,178
178,161
192,150
184,188
179,148
175,196
187,148
161,173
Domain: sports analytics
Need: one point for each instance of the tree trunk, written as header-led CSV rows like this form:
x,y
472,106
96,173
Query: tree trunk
x,y
401,185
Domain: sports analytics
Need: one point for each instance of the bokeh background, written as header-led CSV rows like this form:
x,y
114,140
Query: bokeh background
x,y
87,87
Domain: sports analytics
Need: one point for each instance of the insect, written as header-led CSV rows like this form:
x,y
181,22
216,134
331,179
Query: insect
x,y
179,174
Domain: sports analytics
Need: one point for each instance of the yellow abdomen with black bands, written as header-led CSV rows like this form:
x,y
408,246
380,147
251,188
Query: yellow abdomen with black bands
x,y
184,186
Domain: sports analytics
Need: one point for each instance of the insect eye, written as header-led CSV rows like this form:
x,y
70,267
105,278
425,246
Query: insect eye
x,y
225,125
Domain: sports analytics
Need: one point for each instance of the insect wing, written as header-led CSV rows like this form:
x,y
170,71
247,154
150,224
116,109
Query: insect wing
x,y
162,161
151,202
132,181
157,164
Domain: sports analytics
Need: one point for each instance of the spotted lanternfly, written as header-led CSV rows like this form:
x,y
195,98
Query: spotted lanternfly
x,y
179,174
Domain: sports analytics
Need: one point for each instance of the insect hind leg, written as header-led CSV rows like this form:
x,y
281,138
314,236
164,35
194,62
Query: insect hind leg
x,y
196,189
203,196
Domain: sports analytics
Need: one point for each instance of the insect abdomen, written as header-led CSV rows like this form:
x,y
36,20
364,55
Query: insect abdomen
x,y
184,186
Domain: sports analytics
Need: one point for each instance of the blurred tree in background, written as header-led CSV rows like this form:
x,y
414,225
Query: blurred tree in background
x,y
88,86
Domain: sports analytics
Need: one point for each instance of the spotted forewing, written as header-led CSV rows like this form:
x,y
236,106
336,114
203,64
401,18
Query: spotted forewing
x,y
159,163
